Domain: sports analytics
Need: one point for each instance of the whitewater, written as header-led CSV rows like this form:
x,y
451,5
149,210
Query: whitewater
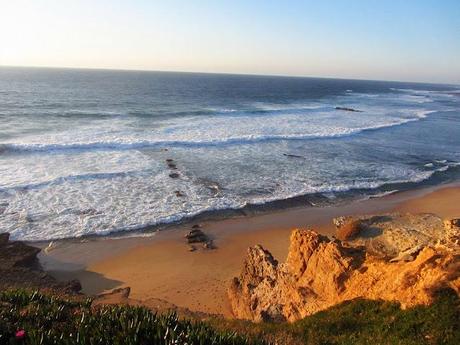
x,y
86,152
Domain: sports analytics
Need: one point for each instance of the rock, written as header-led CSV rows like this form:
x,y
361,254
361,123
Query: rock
x,y
169,160
390,236
179,194
122,292
453,223
172,166
116,296
191,248
347,228
174,175
196,226
292,156
4,238
319,273
408,255
19,268
208,245
196,236
452,227
73,286
348,109
18,254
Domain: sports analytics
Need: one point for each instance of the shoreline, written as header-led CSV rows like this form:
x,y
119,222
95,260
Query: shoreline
x,y
313,200
159,266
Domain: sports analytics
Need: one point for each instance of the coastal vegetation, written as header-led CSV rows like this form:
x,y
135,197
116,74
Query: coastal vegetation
x,y
30,317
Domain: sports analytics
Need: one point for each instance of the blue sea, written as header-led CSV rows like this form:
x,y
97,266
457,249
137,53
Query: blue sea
x,y
86,152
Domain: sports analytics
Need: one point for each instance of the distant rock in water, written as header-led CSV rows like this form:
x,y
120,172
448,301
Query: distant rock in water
x,y
349,109
292,156
319,272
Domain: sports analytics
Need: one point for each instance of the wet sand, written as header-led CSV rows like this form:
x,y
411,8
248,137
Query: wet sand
x,y
161,266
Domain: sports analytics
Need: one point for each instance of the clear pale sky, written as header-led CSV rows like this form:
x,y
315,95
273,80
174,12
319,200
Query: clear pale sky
x,y
416,40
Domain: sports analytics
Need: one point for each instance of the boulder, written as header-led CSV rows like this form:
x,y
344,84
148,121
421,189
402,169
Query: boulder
x,y
196,236
347,227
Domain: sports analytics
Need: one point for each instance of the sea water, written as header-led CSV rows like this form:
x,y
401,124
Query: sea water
x,y
83,152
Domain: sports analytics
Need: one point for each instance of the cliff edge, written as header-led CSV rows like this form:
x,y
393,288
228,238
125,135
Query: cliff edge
x,y
403,258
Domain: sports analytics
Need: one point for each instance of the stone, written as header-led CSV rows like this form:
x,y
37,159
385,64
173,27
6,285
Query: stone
x,y
347,228
319,273
179,194
348,109
452,227
4,238
208,245
196,236
19,268
17,253
292,156
453,223
73,286
174,175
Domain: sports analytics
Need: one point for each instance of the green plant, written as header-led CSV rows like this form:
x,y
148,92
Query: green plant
x,y
53,320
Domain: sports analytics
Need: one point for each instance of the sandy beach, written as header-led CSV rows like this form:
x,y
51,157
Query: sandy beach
x,y
160,266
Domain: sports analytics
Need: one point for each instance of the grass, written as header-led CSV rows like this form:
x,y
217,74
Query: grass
x,y
54,320
378,322
364,322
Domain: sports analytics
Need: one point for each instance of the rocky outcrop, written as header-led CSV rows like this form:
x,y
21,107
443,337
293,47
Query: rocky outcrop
x,y
19,268
395,235
319,272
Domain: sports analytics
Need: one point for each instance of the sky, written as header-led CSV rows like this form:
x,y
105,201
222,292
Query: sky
x,y
409,40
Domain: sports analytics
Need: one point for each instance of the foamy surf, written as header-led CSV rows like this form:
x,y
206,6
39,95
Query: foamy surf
x,y
125,161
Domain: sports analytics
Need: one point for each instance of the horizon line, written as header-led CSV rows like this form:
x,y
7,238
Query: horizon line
x,y
224,73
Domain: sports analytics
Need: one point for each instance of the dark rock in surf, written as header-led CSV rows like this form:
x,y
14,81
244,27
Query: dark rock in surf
x,y
349,109
292,156
174,175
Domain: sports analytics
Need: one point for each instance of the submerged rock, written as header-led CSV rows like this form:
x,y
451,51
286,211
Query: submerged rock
x,y
349,109
319,273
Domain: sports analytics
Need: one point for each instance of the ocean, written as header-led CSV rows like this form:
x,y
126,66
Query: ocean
x,y
93,152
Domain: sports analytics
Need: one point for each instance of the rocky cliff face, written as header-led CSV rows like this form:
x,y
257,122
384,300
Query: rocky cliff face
x,y
320,272
19,268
